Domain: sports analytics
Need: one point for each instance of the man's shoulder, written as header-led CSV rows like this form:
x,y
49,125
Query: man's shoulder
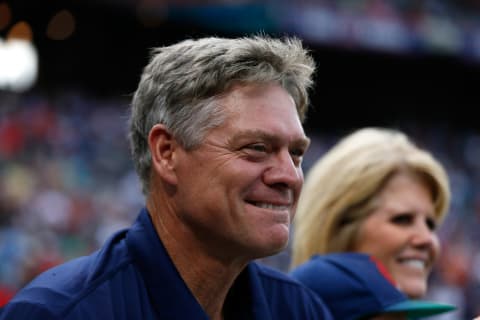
x,y
60,288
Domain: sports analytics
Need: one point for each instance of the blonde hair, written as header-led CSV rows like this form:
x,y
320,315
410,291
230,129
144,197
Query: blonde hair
x,y
340,189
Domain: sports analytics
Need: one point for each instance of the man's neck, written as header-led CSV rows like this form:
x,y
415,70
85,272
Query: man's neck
x,y
208,278
209,282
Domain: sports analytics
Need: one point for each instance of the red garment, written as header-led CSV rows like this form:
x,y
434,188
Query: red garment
x,y
5,295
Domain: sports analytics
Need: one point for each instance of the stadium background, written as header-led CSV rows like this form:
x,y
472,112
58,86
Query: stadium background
x,y
66,180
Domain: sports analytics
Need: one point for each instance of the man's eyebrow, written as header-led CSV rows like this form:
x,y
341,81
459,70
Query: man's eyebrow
x,y
303,142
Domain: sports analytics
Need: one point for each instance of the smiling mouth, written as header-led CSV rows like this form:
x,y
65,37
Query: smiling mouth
x,y
415,263
269,206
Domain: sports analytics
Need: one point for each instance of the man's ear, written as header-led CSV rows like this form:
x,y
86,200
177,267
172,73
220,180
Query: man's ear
x,y
163,148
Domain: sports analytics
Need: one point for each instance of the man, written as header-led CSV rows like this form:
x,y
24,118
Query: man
x,y
217,142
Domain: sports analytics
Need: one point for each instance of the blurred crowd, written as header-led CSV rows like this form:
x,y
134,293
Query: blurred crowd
x,y
67,183
447,27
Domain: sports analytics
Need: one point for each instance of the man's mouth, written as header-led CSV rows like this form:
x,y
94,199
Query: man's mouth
x,y
270,206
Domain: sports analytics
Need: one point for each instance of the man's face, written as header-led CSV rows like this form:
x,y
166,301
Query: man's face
x,y
238,190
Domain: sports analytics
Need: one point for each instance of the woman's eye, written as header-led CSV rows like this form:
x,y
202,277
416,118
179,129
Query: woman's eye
x,y
402,219
431,223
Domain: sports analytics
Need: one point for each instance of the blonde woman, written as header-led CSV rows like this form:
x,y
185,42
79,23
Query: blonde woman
x,y
375,192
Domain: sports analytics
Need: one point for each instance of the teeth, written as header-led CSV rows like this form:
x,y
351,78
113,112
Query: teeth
x,y
270,206
419,264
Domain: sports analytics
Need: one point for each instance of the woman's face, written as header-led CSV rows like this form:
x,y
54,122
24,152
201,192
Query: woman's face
x,y
401,233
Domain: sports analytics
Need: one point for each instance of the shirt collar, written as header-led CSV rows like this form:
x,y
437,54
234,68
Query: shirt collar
x,y
169,294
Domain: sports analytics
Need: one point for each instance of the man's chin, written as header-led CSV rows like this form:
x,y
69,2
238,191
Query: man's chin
x,y
275,247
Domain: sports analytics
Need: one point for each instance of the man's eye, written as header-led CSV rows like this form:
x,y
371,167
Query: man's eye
x,y
297,156
298,153
257,147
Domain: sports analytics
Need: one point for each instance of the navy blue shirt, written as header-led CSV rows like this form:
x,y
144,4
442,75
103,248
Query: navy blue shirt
x,y
132,277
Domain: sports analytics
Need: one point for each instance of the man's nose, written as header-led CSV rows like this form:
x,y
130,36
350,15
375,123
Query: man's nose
x,y
284,170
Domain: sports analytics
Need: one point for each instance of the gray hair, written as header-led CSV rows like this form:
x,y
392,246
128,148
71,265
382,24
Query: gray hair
x,y
182,83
